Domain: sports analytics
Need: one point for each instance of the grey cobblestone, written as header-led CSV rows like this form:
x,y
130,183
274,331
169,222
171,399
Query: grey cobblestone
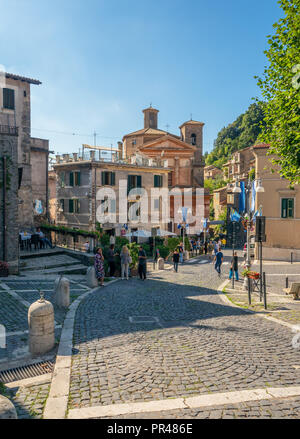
x,y
199,345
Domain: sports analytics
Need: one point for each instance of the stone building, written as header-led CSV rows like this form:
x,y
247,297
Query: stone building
x,y
9,232
281,207
240,164
183,153
32,153
211,171
79,179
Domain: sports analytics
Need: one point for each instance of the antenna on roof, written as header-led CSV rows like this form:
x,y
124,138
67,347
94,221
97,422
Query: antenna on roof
x,y
191,116
95,138
150,104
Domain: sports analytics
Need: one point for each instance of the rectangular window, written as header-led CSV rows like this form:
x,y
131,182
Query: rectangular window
x,y
108,178
157,204
134,181
75,178
158,180
287,208
74,206
9,98
62,179
170,179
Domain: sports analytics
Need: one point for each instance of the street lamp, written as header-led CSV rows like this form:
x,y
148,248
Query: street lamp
x,y
183,211
237,190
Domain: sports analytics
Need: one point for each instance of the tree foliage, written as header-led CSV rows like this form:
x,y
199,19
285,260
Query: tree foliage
x,y
243,132
280,87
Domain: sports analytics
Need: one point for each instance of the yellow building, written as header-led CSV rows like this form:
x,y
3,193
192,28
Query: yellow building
x,y
281,207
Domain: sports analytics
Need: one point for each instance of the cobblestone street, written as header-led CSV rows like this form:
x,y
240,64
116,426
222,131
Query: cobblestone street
x,y
172,336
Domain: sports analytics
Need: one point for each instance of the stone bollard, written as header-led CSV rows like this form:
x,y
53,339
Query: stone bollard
x,y
186,255
160,264
7,409
91,279
62,292
41,326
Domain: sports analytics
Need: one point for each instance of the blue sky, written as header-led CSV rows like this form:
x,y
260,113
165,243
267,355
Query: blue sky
x,y
102,61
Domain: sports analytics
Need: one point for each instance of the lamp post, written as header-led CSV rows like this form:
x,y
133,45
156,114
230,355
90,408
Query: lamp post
x,y
237,190
183,211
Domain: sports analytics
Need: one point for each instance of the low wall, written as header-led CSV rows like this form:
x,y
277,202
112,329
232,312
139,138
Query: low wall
x,y
280,254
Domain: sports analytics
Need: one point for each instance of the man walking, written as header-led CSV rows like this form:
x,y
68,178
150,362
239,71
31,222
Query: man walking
x,y
176,260
142,263
234,266
218,262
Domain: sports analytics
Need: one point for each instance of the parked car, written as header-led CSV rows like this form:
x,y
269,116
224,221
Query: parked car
x,y
252,250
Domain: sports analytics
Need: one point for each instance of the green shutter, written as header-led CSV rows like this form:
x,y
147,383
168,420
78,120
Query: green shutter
x,y
102,178
129,181
9,98
284,208
139,181
113,179
71,206
290,208
155,181
78,178
71,179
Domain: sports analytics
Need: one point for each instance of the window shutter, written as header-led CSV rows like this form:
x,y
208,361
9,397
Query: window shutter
x,y
155,181
283,208
113,179
129,180
102,178
138,181
78,178
71,179
290,208
9,98
71,206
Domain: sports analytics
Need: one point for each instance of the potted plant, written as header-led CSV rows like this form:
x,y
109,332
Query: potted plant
x,y
3,269
253,275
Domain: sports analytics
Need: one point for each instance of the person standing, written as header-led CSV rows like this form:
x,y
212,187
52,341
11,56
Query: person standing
x,y
99,265
205,247
125,261
180,250
176,260
111,260
142,263
218,262
234,266
86,246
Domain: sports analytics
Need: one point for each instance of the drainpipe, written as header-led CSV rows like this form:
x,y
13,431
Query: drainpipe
x,y
4,208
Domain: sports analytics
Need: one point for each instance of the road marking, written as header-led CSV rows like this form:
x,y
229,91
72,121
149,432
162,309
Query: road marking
x,y
185,403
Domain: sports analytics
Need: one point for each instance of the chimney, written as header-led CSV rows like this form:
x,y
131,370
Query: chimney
x,y
120,148
57,158
66,157
75,156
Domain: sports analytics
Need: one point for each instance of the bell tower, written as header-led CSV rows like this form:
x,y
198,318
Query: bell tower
x,y
150,117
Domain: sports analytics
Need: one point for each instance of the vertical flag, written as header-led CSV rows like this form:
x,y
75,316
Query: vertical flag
x,y
242,198
253,196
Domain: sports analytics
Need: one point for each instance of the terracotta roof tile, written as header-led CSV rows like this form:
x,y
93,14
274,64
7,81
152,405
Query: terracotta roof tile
x,y
22,78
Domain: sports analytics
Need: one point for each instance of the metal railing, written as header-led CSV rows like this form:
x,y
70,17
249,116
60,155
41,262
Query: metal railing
x,y
10,130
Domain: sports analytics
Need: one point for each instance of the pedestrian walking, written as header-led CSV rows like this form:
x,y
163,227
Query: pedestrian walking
x,y
111,260
234,266
176,260
180,251
205,247
125,261
142,263
218,262
99,266
86,246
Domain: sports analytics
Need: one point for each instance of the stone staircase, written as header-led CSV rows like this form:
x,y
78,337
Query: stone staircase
x,y
51,264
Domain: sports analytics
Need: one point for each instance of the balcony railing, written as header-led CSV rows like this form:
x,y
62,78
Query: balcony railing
x,y
10,130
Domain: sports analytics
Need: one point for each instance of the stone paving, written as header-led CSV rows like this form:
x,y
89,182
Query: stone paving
x,y
287,408
142,341
14,315
29,401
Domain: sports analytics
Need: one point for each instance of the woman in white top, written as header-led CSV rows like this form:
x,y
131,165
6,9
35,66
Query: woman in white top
x,y
125,261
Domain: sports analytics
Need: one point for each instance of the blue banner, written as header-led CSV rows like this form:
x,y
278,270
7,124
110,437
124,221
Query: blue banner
x,y
242,198
253,196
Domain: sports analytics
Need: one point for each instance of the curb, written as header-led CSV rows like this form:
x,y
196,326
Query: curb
x,y
225,299
57,402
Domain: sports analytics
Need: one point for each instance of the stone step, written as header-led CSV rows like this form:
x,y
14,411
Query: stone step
x,y
48,266
40,253
73,269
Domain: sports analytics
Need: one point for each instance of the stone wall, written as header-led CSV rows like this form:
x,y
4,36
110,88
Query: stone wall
x,y
10,253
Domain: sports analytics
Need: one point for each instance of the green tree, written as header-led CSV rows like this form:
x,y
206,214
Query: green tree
x,y
243,132
280,87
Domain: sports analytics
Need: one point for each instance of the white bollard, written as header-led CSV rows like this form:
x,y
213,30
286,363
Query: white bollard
x,y
160,264
41,326
186,255
7,409
62,292
91,278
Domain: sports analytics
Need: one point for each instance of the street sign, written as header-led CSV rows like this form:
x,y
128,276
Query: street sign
x,y
260,225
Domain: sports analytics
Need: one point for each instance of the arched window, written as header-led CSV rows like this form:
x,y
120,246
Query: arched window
x,y
193,139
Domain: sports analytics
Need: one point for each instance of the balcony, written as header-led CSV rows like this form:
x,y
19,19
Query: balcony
x,y
9,130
